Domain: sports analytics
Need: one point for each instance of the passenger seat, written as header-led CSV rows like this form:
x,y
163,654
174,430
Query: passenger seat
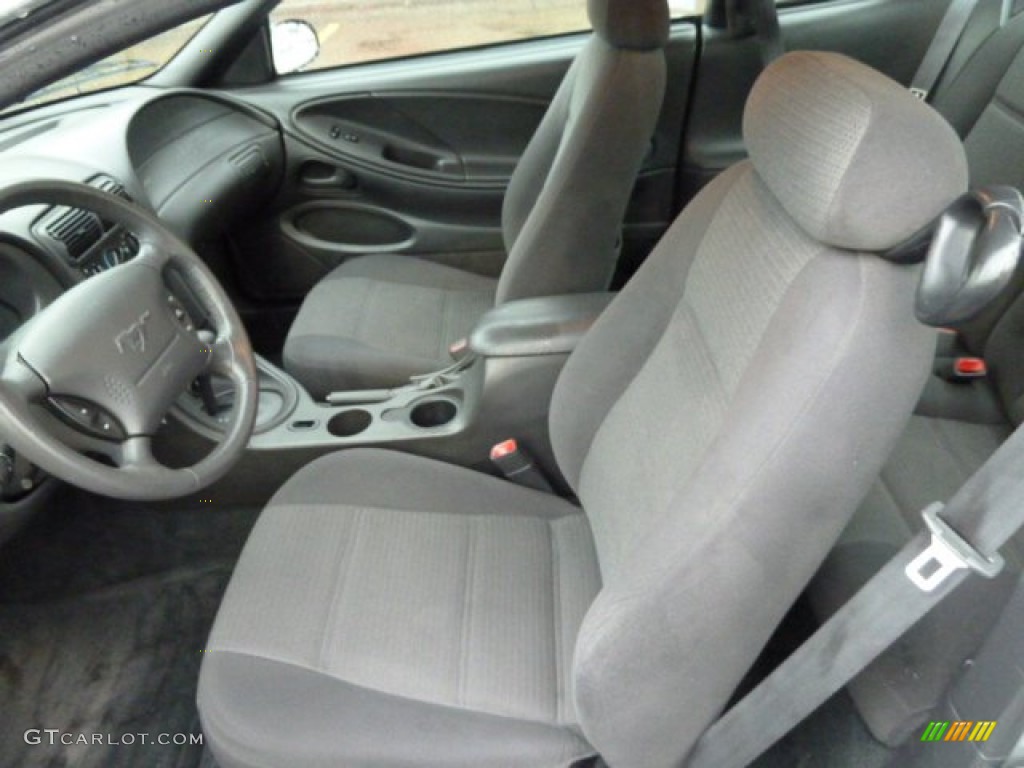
x,y
377,320
955,429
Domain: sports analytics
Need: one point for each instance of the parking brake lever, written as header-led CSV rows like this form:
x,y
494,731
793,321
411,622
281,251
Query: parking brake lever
x,y
422,383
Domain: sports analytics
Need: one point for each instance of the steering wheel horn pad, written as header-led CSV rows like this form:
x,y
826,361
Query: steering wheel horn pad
x,y
125,352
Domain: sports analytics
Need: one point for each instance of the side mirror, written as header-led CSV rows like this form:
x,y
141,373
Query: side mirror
x,y
295,45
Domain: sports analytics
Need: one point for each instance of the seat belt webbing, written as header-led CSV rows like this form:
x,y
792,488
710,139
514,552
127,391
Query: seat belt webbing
x,y
769,33
950,30
980,518
1004,13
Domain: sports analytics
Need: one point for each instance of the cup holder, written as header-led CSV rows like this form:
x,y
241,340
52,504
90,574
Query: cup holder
x,y
433,413
350,423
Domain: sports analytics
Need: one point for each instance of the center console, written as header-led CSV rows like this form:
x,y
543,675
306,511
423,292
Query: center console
x,y
438,405
501,388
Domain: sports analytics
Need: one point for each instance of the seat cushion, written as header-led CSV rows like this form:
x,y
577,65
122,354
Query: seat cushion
x,y
377,320
434,600
933,458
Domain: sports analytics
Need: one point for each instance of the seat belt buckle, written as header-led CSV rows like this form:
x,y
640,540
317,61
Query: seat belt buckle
x,y
961,369
919,93
970,368
948,553
518,466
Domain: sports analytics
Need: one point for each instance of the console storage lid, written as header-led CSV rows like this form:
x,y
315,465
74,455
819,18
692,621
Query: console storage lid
x,y
551,325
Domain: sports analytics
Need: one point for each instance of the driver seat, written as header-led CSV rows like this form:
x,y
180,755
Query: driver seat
x,y
391,610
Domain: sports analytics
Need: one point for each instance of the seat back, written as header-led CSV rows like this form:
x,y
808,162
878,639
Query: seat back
x,y
564,208
978,83
724,417
984,101
982,95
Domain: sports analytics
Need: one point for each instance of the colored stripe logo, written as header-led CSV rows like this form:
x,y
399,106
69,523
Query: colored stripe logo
x,y
958,730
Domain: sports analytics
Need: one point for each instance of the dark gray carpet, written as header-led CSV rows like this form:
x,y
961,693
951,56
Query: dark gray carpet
x,y
104,610
833,737
121,660
83,543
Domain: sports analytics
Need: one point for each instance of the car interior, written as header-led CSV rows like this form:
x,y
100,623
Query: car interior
x,y
537,402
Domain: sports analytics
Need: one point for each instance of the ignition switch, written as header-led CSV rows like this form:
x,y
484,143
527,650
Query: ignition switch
x,y
17,476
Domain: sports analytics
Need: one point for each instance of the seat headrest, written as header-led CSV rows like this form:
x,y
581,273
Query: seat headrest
x,y
639,25
851,155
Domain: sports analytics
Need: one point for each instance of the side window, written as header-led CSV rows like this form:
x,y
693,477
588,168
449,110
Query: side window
x,y
355,32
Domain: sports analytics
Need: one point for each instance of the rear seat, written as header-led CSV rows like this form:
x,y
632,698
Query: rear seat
x,y
956,426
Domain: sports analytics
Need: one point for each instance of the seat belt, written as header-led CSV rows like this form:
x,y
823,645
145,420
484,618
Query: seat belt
x,y
769,33
961,537
1004,13
762,18
950,30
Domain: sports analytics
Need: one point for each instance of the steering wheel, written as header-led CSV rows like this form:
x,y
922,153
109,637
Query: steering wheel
x,y
97,370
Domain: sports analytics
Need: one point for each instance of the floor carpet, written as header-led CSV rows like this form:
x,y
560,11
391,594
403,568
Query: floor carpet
x,y
833,737
104,610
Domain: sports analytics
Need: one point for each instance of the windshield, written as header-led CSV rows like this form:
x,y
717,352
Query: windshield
x,y
129,65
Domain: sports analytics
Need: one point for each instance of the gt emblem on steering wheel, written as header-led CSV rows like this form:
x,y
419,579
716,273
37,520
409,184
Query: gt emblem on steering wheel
x,y
133,339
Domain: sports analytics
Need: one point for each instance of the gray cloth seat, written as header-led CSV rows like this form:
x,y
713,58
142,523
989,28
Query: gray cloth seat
x,y
561,221
983,100
944,444
391,610
438,591
376,321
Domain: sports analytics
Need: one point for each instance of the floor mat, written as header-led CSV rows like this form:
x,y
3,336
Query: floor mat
x,y
104,610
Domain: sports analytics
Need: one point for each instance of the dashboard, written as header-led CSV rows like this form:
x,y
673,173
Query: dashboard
x,y
198,160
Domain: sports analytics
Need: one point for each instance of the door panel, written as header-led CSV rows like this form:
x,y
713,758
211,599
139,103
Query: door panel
x,y
413,134
413,157
889,35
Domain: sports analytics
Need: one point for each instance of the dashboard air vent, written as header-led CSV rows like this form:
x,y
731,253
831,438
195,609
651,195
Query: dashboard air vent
x,y
78,230
107,184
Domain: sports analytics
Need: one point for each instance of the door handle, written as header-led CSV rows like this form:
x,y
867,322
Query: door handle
x,y
323,176
424,158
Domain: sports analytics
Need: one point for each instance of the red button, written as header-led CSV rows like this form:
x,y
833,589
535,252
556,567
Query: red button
x,y
501,450
970,366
